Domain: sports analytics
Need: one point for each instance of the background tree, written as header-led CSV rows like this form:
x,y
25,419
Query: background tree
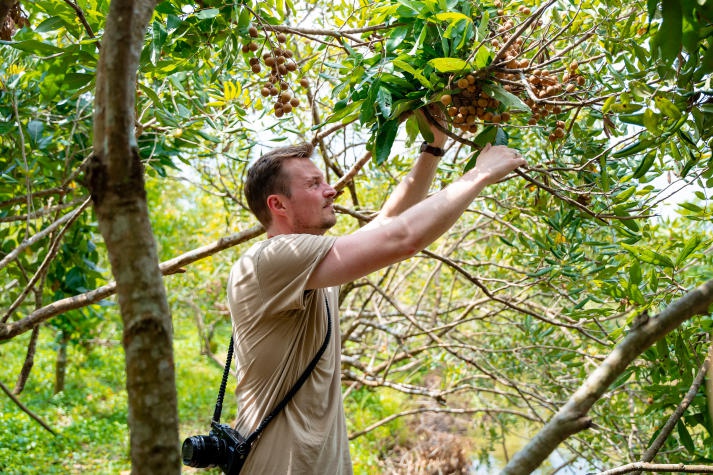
x,y
503,319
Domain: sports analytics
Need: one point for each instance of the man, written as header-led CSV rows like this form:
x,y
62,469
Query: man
x,y
282,291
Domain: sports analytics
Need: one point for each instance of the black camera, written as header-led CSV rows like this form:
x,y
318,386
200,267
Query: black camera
x,y
223,447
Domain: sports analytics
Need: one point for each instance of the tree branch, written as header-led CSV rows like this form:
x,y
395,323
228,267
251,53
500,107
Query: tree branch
x,y
172,266
676,416
572,417
659,468
25,409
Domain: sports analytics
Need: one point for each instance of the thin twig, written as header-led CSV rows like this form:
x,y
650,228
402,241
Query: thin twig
x,y
25,409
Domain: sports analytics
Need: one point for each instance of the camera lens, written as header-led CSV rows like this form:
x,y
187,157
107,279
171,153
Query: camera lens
x,y
203,451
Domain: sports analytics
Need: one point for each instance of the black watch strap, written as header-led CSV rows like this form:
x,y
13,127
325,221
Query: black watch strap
x,y
435,151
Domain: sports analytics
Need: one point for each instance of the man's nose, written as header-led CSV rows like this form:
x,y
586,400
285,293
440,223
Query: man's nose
x,y
329,191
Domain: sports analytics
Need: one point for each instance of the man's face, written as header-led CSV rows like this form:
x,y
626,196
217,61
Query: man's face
x,y
310,206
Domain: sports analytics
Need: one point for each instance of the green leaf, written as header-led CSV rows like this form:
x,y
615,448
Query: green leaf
x,y
635,119
541,272
424,127
404,66
691,207
690,246
510,101
51,24
624,195
451,17
448,65
397,36
345,114
669,36
649,256
685,436
651,121
383,100
667,107
73,81
35,47
486,136
635,273
385,136
645,164
207,13
636,147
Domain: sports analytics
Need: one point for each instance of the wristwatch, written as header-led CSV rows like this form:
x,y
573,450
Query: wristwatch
x,y
435,151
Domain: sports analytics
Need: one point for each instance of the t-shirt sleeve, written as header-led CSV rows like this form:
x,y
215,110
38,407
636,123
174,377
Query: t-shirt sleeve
x,y
283,267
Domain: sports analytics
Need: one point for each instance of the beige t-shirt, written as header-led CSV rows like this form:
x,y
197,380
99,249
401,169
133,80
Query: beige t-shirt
x,y
278,327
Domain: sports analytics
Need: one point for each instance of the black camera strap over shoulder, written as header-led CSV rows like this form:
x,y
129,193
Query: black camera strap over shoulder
x,y
290,394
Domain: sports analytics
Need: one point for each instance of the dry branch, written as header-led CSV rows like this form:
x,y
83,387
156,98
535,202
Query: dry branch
x,y
25,409
172,266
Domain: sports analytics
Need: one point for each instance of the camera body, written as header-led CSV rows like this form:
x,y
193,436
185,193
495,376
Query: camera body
x,y
223,447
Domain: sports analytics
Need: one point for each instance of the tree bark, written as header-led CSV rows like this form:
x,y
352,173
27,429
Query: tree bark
x,y
60,369
572,417
5,7
116,182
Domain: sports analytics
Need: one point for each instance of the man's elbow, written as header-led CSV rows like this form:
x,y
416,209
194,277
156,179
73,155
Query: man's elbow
x,y
406,243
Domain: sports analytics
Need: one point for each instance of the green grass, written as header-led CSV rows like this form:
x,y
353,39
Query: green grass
x,y
90,415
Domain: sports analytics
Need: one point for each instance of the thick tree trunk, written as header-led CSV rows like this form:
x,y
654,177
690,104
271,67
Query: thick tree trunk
x,y
115,177
5,7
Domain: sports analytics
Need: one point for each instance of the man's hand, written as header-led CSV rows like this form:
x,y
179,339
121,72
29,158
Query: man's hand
x,y
495,162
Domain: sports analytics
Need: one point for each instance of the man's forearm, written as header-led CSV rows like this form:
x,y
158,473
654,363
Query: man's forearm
x,y
413,188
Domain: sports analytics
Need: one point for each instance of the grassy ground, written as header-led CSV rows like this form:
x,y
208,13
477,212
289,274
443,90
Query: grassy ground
x,y
89,416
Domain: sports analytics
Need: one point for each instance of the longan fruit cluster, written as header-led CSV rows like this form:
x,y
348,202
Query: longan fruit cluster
x,y
472,104
538,87
279,60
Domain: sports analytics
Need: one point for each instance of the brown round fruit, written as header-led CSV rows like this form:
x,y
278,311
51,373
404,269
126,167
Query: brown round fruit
x,y
253,32
294,102
270,61
265,92
256,68
252,46
281,37
304,82
291,66
446,99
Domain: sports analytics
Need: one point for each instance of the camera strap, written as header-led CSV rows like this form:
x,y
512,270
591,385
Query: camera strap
x,y
281,405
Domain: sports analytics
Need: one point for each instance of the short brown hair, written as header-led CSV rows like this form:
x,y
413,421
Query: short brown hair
x,y
266,177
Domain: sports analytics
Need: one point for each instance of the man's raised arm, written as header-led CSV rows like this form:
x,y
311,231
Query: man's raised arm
x,y
414,187
403,235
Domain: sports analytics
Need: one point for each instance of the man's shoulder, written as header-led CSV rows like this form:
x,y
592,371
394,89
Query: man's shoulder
x,y
290,242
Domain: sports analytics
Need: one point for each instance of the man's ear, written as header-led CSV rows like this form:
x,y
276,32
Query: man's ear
x,y
276,204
